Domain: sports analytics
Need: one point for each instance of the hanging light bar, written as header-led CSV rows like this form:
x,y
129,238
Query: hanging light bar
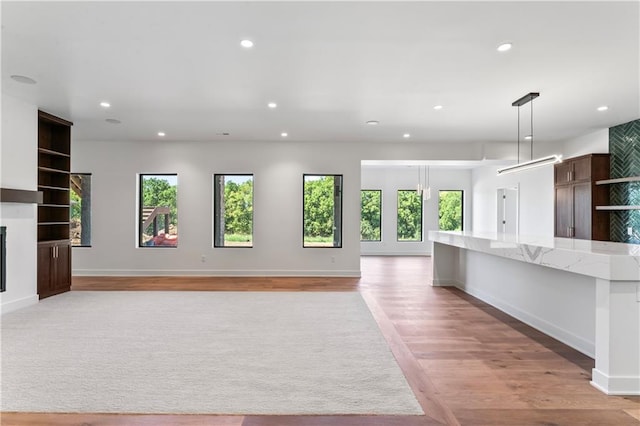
x,y
552,159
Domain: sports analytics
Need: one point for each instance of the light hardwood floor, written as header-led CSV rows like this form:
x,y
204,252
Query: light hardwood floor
x,y
467,362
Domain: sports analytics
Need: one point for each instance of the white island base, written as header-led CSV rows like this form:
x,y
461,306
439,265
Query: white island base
x,y
583,293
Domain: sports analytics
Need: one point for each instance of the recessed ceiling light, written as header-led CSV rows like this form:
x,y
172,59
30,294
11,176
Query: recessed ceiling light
x,y
406,135
246,43
373,122
112,121
504,47
603,108
161,134
528,137
23,79
284,134
105,104
272,105
438,107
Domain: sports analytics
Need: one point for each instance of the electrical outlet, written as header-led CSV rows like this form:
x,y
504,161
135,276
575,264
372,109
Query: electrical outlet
x,y
333,259
629,230
203,258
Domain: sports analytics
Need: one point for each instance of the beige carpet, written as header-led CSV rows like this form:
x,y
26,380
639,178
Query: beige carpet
x,y
200,352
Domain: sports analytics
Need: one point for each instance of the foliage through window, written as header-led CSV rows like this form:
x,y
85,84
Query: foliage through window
x,y
158,210
233,210
450,210
80,193
409,215
322,206
370,215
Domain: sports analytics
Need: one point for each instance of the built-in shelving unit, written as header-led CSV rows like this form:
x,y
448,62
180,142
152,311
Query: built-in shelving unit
x,y
54,244
618,180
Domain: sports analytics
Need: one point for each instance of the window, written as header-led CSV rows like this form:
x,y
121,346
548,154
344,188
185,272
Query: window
x,y
80,226
322,205
409,215
158,210
370,215
233,210
450,210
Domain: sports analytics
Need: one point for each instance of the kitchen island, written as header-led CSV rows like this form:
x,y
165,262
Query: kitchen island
x,y
583,293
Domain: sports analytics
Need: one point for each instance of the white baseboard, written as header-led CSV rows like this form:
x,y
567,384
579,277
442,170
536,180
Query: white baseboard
x,y
612,385
566,337
447,283
18,304
394,253
211,273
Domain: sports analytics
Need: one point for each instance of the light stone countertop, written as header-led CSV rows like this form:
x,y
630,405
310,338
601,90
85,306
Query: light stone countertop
x,y
599,259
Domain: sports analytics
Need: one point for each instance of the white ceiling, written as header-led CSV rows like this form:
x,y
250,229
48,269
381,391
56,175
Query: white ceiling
x,y
331,66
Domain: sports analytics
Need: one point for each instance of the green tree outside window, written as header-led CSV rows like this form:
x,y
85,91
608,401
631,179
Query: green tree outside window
x,y
409,216
370,215
450,210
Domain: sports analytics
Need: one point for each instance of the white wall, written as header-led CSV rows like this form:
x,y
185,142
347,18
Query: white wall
x,y
592,143
392,179
536,192
18,170
277,170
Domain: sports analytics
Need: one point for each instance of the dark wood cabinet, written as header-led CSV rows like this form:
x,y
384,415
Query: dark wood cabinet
x,y
576,196
54,244
54,268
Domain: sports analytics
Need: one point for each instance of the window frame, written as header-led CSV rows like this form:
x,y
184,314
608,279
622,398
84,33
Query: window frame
x,y
421,216
461,191
90,214
216,213
140,208
337,219
371,190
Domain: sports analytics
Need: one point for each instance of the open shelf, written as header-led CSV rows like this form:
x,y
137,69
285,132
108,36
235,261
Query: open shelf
x,y
618,180
49,169
617,207
51,152
56,188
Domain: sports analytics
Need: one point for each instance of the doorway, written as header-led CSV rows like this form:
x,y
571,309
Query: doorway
x,y
508,210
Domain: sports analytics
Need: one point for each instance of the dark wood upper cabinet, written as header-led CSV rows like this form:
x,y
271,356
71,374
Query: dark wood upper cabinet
x,y
576,197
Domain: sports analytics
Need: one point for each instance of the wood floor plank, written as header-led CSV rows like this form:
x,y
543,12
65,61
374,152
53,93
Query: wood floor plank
x,y
467,362
340,421
424,390
83,419
215,283
545,417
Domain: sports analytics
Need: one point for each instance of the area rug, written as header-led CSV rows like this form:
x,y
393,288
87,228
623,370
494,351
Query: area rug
x,y
200,353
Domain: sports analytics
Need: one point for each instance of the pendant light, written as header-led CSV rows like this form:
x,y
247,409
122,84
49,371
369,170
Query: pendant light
x,y
419,185
426,194
551,159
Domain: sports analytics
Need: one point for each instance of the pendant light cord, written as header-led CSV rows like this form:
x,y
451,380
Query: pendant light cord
x,y
531,129
518,138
